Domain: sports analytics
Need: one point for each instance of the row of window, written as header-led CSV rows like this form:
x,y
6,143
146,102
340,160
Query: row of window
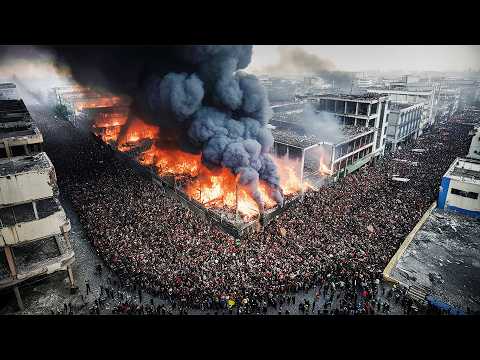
x,y
12,215
21,150
351,146
340,166
345,107
467,194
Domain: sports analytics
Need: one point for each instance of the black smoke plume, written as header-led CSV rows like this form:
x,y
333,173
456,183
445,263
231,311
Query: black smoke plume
x,y
295,60
198,91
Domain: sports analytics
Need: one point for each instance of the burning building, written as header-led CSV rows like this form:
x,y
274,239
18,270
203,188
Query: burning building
x,y
331,135
77,100
215,193
197,122
33,225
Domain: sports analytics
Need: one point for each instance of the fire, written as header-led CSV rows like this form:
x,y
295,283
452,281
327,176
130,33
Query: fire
x,y
324,169
93,103
171,161
135,131
213,188
289,172
109,125
220,188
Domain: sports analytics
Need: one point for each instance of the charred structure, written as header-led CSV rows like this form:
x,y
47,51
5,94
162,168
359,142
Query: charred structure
x,y
33,225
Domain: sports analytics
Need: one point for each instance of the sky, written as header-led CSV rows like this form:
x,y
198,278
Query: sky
x,y
381,57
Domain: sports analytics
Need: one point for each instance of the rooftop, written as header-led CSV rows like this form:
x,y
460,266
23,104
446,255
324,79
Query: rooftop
x,y
363,96
24,164
295,135
444,256
468,170
400,106
294,138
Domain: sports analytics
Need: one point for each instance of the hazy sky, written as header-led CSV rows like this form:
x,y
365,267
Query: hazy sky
x,y
381,57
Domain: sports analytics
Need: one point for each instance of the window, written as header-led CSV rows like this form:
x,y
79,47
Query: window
x,y
24,212
27,254
3,153
18,150
467,194
46,207
7,217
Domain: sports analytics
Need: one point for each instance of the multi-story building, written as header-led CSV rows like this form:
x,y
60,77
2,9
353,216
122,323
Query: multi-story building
x,y
369,111
413,94
33,225
403,124
18,134
360,129
460,188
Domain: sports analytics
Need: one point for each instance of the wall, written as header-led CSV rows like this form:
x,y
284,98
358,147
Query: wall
x,y
26,187
36,229
462,204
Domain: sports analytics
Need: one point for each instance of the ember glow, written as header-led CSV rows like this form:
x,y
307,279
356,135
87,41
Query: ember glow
x,y
135,131
109,125
171,161
94,103
213,188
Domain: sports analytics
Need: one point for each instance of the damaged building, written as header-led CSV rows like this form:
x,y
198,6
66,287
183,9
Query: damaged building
x,y
34,239
361,121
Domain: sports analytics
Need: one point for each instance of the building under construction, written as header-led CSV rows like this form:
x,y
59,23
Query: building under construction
x,y
361,121
34,228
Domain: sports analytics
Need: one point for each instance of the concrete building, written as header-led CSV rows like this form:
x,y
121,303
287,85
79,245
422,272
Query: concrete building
x,y
33,225
369,111
413,94
19,136
359,139
403,124
460,188
8,91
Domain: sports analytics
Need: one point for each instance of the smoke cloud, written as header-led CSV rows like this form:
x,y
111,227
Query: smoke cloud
x,y
197,92
321,124
296,61
33,70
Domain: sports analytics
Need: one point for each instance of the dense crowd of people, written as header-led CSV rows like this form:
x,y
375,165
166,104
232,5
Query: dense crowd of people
x,y
337,241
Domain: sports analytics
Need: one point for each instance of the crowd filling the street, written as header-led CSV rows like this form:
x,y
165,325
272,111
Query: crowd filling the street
x,y
333,244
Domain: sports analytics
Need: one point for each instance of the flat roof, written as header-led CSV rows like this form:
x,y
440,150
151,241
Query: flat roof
x,y
295,135
401,106
24,164
291,137
444,256
364,96
466,170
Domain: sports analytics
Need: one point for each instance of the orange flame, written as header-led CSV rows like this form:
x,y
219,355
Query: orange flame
x,y
216,188
108,125
171,161
135,131
94,103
